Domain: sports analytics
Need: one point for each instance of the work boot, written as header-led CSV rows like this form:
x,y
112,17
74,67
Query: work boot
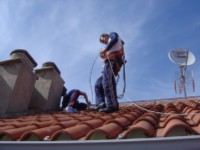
x,y
109,109
71,109
100,106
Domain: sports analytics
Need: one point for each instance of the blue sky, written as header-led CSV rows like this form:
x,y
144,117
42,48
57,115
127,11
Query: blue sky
x,y
67,33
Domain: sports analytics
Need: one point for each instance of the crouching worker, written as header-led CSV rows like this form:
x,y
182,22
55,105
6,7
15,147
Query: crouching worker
x,y
70,101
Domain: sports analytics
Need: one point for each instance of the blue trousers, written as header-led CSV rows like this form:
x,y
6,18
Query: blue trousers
x,y
105,87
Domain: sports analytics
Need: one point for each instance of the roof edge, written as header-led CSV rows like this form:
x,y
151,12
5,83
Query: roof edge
x,y
172,143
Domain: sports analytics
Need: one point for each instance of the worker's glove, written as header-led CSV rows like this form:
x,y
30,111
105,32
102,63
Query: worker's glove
x,y
103,53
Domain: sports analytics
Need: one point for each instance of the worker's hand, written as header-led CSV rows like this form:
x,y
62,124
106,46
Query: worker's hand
x,y
89,103
103,53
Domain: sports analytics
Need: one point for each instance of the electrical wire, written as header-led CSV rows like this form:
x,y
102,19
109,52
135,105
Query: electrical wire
x,y
138,106
156,112
91,71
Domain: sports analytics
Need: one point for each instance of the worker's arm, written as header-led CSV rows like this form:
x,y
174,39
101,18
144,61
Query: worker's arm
x,y
113,38
86,97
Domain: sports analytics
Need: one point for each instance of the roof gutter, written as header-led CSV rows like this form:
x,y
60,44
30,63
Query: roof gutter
x,y
168,143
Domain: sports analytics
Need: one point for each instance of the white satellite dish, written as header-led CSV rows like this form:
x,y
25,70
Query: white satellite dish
x,y
182,57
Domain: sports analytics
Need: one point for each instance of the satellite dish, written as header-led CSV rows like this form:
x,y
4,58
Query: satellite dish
x,y
182,57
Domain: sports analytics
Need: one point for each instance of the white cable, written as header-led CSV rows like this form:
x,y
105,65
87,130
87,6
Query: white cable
x,y
160,113
142,108
90,80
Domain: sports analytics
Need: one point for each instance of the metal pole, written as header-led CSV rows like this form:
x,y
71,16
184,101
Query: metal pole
x,y
183,80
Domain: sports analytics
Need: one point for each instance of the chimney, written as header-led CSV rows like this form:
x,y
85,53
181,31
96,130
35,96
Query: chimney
x,y
17,81
48,88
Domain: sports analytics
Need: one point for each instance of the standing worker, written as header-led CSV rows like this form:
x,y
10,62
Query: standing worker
x,y
70,101
105,87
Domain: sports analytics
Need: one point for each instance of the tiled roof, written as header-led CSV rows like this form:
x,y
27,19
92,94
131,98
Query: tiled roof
x,y
180,118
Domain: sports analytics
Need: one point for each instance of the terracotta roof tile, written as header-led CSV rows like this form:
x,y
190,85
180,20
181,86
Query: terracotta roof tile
x,y
43,124
95,123
121,121
175,127
140,129
106,117
179,118
84,118
72,133
20,124
193,104
196,118
68,123
14,134
107,131
7,127
40,134
130,117
149,119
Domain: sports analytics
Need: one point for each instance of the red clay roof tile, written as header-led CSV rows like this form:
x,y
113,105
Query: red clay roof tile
x,y
43,124
142,128
72,133
40,134
95,123
7,127
14,134
106,117
20,124
107,131
121,121
130,117
179,118
175,127
67,124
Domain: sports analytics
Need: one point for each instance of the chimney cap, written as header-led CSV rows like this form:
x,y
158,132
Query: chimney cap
x,y
26,53
51,64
